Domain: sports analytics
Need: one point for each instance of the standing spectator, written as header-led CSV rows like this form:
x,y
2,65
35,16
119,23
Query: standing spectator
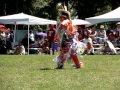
x,y
11,36
51,37
32,36
8,42
3,49
3,36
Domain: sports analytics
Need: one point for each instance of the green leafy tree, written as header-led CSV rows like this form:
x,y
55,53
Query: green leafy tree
x,y
86,8
50,8
114,3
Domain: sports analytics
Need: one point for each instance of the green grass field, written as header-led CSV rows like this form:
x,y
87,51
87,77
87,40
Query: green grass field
x,y
36,72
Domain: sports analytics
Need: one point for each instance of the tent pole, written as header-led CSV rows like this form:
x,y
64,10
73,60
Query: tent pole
x,y
14,34
28,38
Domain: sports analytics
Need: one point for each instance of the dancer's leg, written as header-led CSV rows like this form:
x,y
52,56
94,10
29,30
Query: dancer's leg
x,y
76,61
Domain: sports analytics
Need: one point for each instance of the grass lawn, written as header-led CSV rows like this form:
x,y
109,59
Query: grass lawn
x,y
36,72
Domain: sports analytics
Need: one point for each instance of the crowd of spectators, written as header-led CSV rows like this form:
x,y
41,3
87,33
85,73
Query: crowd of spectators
x,y
6,41
100,36
44,41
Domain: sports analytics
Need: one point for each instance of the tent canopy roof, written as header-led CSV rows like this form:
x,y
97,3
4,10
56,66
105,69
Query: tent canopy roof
x,y
110,16
22,18
77,22
80,22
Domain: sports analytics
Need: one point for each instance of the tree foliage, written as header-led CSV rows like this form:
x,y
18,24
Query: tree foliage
x,y
49,8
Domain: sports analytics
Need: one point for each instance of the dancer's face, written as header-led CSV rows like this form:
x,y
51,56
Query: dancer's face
x,y
62,19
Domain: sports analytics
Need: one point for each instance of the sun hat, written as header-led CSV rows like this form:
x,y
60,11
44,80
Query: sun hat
x,y
117,23
102,26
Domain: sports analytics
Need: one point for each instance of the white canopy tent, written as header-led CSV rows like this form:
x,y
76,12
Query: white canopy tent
x,y
110,16
77,22
22,18
25,19
80,22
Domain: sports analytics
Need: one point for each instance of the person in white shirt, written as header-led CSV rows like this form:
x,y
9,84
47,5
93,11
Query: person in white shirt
x,y
93,33
32,36
87,39
101,35
89,49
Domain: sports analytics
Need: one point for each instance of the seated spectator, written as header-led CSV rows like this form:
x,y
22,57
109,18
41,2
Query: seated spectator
x,y
112,37
40,46
117,30
89,49
109,48
19,50
101,35
87,39
45,47
80,32
40,34
3,49
93,33
24,42
86,32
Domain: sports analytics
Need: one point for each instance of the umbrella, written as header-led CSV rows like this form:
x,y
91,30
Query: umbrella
x,y
4,29
2,26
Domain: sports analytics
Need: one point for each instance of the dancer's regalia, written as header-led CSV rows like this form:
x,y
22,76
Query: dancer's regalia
x,y
68,42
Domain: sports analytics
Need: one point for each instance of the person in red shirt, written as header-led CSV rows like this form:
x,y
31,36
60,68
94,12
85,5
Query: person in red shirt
x,y
51,37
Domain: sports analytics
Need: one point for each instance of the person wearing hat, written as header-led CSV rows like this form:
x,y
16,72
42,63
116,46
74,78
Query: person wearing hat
x,y
101,35
117,33
118,23
67,42
118,27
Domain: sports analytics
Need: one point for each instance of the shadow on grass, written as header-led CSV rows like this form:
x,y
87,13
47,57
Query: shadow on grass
x,y
46,68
